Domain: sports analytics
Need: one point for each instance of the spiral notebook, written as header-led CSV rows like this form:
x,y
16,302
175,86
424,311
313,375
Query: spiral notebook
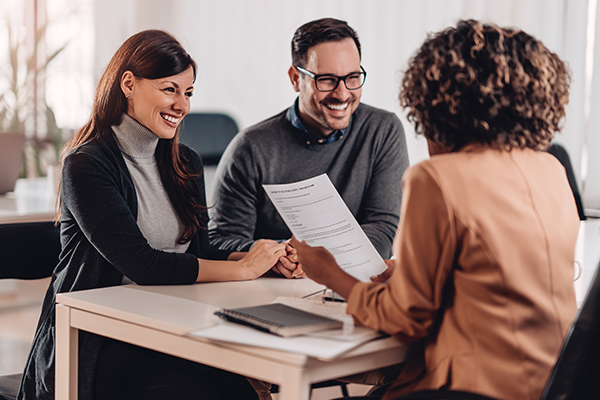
x,y
279,319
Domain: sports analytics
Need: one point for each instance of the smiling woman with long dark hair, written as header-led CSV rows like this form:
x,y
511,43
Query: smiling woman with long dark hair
x,y
133,210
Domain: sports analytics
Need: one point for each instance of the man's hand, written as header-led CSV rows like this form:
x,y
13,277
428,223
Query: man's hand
x,y
288,265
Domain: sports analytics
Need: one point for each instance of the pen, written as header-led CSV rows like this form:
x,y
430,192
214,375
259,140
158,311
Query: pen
x,y
334,299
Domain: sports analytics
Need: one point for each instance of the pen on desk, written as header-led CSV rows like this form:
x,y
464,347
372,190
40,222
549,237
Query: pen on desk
x,y
314,294
327,298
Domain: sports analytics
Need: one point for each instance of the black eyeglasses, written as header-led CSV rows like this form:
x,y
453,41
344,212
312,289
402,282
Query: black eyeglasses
x,y
328,83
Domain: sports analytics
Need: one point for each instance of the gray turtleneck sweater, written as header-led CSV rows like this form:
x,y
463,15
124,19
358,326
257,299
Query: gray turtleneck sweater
x,y
156,216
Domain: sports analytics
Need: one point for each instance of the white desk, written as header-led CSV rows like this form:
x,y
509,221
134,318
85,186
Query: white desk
x,y
33,200
159,317
587,253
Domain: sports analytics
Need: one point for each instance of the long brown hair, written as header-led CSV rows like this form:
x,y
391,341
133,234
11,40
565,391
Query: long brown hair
x,y
150,54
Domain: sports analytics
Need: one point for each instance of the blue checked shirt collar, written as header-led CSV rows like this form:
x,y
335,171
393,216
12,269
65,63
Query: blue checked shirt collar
x,y
307,137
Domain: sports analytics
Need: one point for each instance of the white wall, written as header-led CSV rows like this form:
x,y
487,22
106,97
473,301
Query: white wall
x,y
592,128
242,47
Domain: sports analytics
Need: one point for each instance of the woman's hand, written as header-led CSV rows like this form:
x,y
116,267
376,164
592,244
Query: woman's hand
x,y
320,265
385,275
262,257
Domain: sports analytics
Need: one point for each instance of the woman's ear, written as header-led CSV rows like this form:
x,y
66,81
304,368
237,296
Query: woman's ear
x,y
127,83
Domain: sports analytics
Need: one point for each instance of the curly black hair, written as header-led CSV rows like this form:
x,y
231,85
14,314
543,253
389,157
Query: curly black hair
x,y
479,83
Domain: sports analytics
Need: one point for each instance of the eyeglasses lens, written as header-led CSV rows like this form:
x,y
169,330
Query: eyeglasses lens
x,y
352,82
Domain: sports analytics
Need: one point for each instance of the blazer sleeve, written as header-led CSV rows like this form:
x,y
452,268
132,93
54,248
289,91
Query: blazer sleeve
x,y
94,193
425,246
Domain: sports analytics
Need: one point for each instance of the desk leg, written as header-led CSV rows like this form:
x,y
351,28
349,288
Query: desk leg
x,y
294,387
67,339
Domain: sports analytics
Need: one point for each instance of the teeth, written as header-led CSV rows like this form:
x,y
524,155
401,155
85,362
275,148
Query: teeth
x,y
337,106
170,119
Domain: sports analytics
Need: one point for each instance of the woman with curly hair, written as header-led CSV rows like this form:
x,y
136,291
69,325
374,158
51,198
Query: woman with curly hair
x,y
482,283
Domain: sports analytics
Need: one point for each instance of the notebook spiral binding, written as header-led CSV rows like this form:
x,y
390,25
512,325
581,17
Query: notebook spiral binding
x,y
258,323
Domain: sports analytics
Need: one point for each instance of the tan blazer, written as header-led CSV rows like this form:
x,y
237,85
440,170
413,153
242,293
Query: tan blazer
x,y
484,273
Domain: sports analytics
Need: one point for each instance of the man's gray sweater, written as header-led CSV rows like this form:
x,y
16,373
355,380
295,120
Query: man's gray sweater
x,y
365,166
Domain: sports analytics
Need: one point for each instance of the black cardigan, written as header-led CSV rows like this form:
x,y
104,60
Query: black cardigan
x,y
101,242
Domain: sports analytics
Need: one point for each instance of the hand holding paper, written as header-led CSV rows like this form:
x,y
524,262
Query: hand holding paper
x,y
321,267
314,211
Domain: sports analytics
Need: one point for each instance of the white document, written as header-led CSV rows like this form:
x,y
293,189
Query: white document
x,y
315,212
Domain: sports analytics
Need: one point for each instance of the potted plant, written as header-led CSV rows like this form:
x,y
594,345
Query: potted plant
x,y
42,144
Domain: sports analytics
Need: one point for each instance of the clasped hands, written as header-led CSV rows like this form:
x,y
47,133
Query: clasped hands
x,y
319,262
288,265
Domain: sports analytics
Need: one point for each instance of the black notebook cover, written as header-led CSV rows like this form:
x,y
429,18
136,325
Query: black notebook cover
x,y
279,319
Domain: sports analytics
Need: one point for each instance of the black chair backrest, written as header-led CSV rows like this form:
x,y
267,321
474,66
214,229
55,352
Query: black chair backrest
x,y
9,386
577,371
561,154
208,134
28,250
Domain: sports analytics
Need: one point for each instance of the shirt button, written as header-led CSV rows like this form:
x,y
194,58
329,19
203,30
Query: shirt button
x,y
320,140
308,142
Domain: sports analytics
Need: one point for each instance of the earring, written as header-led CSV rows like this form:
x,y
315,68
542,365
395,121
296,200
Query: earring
x,y
128,95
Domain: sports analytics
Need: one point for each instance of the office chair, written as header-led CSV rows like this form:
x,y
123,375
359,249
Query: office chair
x,y
343,387
575,374
28,251
561,154
208,134
9,386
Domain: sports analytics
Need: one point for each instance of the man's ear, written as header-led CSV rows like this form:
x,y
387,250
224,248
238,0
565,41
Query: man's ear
x,y
294,78
127,83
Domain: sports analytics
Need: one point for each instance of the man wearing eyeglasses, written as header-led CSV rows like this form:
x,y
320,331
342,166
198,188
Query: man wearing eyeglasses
x,y
327,130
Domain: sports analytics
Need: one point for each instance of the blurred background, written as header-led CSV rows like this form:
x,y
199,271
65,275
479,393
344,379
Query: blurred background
x,y
53,51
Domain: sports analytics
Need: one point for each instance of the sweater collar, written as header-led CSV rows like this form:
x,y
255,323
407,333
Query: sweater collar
x,y
134,139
